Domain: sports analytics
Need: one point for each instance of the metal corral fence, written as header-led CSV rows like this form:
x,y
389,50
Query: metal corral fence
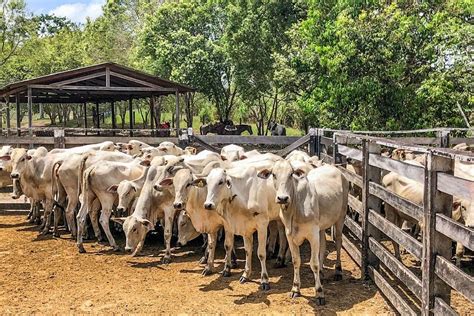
x,y
421,294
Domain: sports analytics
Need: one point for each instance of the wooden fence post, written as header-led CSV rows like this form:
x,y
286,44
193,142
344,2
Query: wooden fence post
x,y
59,141
443,139
369,174
319,133
434,243
312,141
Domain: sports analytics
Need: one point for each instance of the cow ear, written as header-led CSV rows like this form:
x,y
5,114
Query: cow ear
x,y
163,149
134,188
112,188
146,223
28,157
264,174
200,182
456,204
166,182
118,220
223,157
299,173
5,158
242,157
145,163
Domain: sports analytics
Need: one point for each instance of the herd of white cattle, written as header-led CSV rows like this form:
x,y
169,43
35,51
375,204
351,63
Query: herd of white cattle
x,y
291,199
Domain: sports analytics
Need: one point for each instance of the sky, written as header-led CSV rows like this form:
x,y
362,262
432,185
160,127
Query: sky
x,y
75,10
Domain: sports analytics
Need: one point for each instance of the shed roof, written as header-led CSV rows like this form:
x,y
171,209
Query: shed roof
x,y
102,83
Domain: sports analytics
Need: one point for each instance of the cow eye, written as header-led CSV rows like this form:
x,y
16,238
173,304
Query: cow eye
x,y
134,230
221,182
274,176
188,185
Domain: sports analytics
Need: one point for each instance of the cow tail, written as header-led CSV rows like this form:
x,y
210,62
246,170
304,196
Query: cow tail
x,y
82,165
54,180
86,184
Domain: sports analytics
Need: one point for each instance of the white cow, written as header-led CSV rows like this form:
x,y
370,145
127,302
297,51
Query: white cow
x,y
246,202
100,182
232,153
310,203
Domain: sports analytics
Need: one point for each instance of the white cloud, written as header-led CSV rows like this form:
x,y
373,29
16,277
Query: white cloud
x,y
79,11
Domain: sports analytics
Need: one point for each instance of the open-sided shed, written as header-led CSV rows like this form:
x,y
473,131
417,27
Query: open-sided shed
x,y
106,82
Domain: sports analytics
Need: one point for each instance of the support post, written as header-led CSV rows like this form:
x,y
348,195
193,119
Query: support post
x,y
18,123
335,152
114,122
97,117
152,114
85,117
443,137
369,174
30,111
130,112
107,77
434,243
59,141
8,116
177,113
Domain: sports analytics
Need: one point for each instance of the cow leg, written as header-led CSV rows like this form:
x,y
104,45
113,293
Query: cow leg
x,y
205,256
70,218
81,224
229,248
322,252
262,256
392,217
57,218
280,262
169,219
104,221
48,208
248,245
295,254
459,254
315,265
211,246
338,239
272,238
94,217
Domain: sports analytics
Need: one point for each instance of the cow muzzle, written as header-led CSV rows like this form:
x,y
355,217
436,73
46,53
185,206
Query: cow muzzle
x,y
283,199
209,206
15,175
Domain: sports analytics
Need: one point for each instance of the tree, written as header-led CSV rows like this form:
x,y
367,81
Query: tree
x,y
185,41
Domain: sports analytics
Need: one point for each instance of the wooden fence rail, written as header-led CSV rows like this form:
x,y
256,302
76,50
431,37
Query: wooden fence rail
x,y
438,274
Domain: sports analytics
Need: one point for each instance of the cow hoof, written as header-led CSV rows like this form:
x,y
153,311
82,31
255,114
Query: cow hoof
x,y
206,272
233,264
116,249
337,277
265,286
203,260
81,249
43,233
166,260
243,280
56,235
31,221
226,273
295,294
320,301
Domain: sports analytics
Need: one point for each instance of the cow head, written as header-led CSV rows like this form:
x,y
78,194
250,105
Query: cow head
x,y
186,230
182,182
108,146
219,186
136,229
19,163
126,191
285,179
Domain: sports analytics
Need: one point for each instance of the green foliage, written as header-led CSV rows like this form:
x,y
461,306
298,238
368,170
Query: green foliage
x,y
358,64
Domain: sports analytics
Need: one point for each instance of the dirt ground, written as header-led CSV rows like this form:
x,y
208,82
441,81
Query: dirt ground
x,y
47,275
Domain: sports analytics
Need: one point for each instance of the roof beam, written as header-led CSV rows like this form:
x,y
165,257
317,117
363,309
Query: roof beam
x,y
104,89
79,79
135,80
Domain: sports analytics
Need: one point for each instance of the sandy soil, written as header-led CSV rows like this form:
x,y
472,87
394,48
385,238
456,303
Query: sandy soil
x,y
46,275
